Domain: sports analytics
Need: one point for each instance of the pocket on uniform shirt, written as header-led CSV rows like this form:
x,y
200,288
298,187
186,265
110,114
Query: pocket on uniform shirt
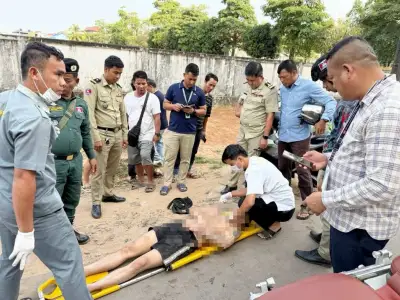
x,y
80,115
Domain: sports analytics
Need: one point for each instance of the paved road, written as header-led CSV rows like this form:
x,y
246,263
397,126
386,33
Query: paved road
x,y
232,274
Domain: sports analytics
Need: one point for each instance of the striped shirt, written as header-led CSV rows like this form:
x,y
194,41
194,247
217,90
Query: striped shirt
x,y
200,119
363,185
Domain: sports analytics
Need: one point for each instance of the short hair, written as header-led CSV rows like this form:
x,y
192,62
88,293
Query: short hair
x,y
253,69
36,54
353,49
288,65
232,152
319,70
151,82
139,74
113,61
192,68
211,76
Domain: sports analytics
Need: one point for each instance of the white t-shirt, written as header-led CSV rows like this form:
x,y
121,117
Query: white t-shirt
x,y
267,182
134,107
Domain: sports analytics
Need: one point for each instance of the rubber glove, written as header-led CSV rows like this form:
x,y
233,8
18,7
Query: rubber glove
x,y
23,247
225,197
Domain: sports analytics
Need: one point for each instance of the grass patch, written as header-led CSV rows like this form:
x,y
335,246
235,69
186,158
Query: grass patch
x,y
212,163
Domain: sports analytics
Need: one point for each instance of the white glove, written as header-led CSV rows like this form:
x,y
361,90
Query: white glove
x,y
24,245
225,197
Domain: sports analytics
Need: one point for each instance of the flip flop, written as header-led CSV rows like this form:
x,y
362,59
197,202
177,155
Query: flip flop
x,y
192,175
164,190
182,187
268,234
150,188
137,185
304,213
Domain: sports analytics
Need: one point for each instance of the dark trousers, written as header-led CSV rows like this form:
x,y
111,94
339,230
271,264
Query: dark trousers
x,y
351,249
69,183
196,145
266,214
285,165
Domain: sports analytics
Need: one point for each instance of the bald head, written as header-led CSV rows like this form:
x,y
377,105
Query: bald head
x,y
353,67
353,50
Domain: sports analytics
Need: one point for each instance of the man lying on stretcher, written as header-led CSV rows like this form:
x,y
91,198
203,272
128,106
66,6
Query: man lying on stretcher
x,y
204,226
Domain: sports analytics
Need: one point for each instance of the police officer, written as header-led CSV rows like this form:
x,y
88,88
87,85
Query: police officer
x,y
31,214
109,130
256,109
70,115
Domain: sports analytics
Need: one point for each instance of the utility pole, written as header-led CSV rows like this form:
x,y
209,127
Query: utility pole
x,y
396,63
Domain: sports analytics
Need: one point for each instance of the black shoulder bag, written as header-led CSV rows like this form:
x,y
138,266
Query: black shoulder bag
x,y
134,132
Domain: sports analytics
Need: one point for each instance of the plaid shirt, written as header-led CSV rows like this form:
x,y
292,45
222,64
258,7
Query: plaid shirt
x,y
363,185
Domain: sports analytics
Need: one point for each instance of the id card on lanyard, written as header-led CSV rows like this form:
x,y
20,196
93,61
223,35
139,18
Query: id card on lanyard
x,y
187,116
342,134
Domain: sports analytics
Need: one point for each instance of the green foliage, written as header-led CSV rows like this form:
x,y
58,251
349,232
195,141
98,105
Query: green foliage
x,y
380,23
301,24
261,42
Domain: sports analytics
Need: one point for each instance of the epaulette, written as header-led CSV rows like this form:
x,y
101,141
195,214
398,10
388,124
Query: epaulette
x,y
96,80
269,85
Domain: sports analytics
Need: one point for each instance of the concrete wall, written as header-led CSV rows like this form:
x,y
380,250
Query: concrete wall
x,y
166,67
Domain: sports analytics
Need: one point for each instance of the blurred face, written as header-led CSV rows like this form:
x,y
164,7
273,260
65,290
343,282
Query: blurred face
x,y
328,85
112,75
344,79
254,81
210,85
140,86
70,83
189,79
150,89
287,78
51,76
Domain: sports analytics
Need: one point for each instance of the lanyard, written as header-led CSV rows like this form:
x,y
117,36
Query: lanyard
x,y
342,134
184,95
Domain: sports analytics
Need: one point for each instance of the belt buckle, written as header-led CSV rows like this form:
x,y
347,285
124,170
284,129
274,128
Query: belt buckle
x,y
70,157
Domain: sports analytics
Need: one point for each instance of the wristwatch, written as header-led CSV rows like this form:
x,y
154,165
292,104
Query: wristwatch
x,y
158,134
265,137
194,112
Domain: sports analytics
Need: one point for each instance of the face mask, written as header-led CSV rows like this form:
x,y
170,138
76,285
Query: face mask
x,y
49,96
236,169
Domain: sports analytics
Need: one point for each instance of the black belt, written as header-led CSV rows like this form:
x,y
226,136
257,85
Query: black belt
x,y
68,157
116,129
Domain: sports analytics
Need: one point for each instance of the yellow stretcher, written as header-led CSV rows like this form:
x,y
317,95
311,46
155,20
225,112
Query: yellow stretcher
x,y
56,294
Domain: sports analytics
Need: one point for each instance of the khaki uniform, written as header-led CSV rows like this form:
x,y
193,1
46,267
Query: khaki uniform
x,y
256,105
109,124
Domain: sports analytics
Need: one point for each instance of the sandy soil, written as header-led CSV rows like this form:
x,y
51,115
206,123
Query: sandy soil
x,y
124,222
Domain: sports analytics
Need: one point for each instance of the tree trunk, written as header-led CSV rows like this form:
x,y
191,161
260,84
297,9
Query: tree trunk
x,y
233,50
292,53
396,63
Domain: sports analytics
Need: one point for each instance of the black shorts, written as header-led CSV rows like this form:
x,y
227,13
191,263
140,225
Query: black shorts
x,y
172,237
266,214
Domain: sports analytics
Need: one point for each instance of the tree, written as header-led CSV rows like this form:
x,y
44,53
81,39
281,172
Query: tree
x,y
380,23
234,21
301,24
396,64
75,34
261,42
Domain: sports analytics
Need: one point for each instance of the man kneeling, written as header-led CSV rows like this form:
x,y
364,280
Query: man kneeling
x,y
204,226
268,198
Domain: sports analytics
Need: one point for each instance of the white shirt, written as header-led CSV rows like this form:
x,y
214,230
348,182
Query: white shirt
x,y
134,107
267,182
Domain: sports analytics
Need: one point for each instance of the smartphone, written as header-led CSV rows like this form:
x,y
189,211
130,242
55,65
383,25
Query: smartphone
x,y
297,159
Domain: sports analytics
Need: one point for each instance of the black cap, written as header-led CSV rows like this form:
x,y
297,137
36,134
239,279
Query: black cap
x,y
319,70
71,65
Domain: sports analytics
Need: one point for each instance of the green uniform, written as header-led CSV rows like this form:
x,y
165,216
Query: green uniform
x,y
66,149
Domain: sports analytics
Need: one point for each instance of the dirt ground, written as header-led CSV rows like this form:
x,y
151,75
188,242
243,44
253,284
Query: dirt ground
x,y
124,222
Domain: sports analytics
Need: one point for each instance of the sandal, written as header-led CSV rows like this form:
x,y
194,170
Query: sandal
x,y
182,187
304,213
164,190
192,175
150,188
137,185
268,234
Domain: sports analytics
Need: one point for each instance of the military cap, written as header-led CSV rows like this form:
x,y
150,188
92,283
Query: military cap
x,y
71,65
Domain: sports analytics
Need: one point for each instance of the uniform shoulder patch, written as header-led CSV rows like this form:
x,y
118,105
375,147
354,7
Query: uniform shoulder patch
x,y
88,92
269,85
96,80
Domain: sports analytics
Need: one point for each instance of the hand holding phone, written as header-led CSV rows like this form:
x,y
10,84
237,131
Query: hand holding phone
x,y
298,159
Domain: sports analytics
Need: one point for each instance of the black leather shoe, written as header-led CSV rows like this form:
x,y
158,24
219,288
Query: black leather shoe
x,y
81,238
113,198
312,257
315,236
228,189
96,211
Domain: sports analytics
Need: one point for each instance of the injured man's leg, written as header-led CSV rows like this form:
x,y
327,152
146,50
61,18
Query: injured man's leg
x,y
139,247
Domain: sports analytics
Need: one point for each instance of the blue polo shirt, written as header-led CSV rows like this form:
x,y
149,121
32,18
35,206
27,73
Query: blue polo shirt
x,y
194,96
